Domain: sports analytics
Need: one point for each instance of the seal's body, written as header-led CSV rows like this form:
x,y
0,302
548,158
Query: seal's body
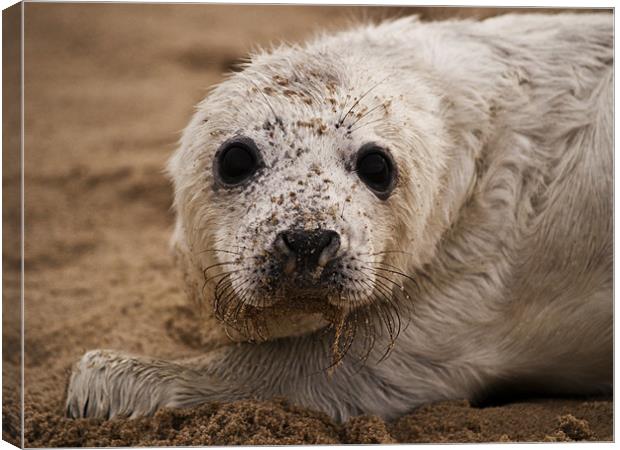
x,y
394,215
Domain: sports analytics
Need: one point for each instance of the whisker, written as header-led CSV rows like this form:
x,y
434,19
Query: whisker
x,y
378,263
361,98
340,119
215,250
226,263
275,115
239,307
387,252
388,312
401,289
359,127
374,108
223,296
224,279
375,273
394,303
386,294
223,274
369,333
396,272
230,292
245,298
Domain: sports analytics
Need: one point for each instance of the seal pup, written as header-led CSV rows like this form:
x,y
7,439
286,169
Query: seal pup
x,y
393,215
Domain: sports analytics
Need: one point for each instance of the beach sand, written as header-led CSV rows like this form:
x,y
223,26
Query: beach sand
x,y
108,87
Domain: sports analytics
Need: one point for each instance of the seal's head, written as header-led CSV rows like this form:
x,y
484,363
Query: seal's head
x,y
304,188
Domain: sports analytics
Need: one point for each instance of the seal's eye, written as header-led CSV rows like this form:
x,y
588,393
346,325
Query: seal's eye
x,y
237,161
374,166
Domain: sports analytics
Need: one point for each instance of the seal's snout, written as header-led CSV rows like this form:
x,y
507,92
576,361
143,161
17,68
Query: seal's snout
x,y
305,250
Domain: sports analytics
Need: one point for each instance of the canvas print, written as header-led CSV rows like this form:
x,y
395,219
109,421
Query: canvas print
x,y
236,224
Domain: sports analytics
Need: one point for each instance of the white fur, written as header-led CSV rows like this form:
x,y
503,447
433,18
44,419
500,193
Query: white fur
x,y
502,134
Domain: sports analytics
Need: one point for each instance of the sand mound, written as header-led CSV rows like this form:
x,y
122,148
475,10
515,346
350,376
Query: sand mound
x,y
278,423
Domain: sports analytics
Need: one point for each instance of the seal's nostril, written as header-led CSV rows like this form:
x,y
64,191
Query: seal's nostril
x,y
281,244
292,241
330,250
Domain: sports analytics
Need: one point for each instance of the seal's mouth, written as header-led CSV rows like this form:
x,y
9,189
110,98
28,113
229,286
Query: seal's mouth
x,y
286,301
378,320
360,300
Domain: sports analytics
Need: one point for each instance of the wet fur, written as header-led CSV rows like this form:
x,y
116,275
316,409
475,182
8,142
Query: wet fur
x,y
499,231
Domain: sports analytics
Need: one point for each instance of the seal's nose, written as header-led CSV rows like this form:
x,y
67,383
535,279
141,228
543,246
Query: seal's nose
x,y
310,248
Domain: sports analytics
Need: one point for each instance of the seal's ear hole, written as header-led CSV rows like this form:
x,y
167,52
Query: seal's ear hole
x,y
236,161
376,169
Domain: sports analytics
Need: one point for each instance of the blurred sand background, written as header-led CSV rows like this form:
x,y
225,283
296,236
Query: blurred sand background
x,y
108,87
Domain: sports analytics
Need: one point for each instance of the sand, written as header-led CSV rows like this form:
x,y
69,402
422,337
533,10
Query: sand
x,y
108,88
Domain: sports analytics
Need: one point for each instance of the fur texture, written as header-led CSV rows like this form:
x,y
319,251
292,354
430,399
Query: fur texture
x,y
490,264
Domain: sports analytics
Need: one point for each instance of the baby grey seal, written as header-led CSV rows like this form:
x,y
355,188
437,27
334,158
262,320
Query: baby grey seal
x,y
393,215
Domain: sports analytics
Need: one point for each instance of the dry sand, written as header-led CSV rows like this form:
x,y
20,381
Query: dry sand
x,y
108,88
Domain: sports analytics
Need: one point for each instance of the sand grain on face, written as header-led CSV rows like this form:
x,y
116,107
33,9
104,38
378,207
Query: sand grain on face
x,y
105,98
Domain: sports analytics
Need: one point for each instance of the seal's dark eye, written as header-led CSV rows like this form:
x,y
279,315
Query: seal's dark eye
x,y
374,166
237,161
